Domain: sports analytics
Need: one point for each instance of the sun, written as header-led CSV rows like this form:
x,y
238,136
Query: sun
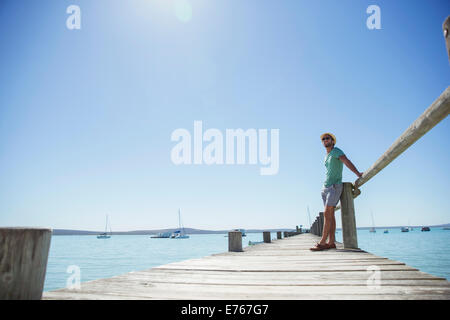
x,y
183,10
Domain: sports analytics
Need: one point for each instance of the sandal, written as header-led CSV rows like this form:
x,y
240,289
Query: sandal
x,y
319,247
331,246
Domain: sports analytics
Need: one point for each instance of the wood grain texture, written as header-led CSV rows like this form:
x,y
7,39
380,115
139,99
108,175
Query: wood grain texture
x,y
283,269
23,262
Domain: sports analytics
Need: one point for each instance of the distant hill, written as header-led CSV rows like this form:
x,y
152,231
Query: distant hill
x,y
68,232
446,225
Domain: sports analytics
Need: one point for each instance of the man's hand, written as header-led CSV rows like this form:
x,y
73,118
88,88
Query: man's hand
x,y
350,165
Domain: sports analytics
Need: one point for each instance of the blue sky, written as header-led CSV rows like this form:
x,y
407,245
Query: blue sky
x,y
86,115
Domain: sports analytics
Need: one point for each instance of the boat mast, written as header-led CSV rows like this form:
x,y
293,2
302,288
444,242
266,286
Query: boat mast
x,y
179,219
373,222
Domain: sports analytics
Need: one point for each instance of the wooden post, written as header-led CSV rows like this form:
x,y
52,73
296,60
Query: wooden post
x,y
278,234
235,241
446,30
23,262
321,222
266,236
348,217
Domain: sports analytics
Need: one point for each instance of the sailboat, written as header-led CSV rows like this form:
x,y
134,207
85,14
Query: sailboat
x,y
373,223
105,234
179,234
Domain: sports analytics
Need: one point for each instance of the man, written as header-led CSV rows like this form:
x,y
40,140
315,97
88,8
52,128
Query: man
x,y
331,192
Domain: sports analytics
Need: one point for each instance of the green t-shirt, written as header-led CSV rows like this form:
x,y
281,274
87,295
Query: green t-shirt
x,y
334,167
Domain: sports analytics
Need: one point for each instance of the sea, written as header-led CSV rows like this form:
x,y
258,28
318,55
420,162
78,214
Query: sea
x,y
86,258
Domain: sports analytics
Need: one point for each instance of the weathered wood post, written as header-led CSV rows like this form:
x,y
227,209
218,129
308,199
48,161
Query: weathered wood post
x,y
23,262
278,234
266,236
348,217
321,222
235,241
446,30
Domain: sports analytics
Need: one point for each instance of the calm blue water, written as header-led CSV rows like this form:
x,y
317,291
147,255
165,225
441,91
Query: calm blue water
x,y
427,251
103,258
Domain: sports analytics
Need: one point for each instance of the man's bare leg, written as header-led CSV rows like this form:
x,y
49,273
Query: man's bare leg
x,y
332,234
328,224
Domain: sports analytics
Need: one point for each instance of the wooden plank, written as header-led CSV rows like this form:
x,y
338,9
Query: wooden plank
x,y
388,275
288,279
258,273
315,268
201,291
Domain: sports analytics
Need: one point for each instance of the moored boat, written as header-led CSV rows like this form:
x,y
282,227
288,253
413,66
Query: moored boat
x,y
179,234
105,235
162,235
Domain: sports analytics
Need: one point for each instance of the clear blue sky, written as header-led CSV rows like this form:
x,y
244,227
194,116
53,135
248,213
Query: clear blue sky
x,y
86,115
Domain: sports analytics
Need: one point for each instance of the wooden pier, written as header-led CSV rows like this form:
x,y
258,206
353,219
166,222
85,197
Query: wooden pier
x,y
282,269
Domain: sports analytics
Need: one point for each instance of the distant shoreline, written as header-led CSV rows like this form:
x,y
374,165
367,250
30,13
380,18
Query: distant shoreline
x,y
69,232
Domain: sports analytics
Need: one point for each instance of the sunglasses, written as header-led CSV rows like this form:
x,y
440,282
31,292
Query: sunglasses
x,y
326,138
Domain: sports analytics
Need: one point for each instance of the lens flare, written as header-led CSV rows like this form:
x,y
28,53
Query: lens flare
x,y
183,10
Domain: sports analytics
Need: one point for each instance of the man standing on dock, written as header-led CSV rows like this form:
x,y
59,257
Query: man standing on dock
x,y
331,192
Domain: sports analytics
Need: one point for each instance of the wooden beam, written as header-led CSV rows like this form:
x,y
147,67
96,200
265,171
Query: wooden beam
x,y
235,241
23,262
438,111
446,30
266,236
348,217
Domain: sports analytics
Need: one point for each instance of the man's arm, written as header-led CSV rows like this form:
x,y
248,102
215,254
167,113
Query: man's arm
x,y
350,165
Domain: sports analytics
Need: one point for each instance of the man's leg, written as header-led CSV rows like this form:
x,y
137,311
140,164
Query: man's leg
x,y
331,236
328,224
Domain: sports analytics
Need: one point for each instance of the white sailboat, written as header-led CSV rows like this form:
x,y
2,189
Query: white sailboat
x,y
179,234
373,223
105,234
